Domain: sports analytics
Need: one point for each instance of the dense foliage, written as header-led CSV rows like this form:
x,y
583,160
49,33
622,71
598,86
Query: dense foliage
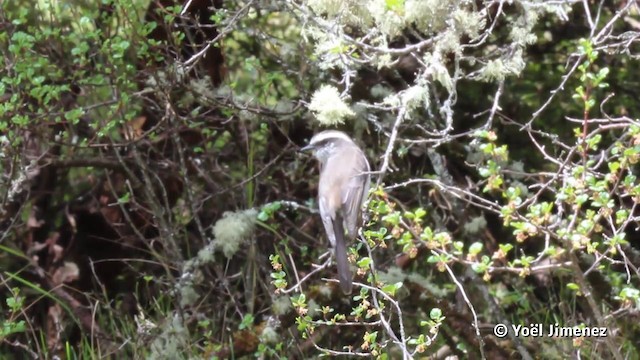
x,y
154,205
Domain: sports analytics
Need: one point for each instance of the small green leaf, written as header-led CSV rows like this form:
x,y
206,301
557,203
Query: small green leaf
x,y
573,286
475,248
364,262
435,314
392,288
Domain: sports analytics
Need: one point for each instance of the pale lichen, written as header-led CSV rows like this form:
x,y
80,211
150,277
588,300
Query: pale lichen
x,y
469,23
171,343
416,97
233,229
281,305
328,107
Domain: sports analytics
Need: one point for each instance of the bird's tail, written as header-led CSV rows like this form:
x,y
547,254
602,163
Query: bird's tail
x,y
344,274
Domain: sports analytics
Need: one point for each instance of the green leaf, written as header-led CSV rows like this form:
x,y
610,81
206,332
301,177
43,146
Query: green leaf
x,y
394,5
392,288
247,321
573,286
475,248
435,314
263,216
364,262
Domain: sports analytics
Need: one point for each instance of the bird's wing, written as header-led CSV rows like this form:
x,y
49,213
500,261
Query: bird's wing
x,y
327,220
333,226
354,193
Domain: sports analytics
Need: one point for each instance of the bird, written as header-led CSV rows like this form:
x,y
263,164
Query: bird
x,y
343,186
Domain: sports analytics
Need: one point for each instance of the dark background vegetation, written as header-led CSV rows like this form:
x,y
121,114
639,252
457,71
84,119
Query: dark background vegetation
x,y
154,205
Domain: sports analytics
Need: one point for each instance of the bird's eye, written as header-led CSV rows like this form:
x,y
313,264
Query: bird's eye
x,y
319,143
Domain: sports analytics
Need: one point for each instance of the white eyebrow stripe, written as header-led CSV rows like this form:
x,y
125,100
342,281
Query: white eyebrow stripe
x,y
330,134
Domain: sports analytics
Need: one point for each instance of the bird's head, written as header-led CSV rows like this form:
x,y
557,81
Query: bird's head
x,y
326,143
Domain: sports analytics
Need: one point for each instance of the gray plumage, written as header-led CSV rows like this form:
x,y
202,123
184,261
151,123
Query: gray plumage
x,y
344,183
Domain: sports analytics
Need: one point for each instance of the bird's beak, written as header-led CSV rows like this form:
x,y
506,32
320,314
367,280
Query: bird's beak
x,y
305,148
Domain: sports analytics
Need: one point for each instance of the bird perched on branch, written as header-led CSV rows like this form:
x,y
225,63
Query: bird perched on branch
x,y
344,183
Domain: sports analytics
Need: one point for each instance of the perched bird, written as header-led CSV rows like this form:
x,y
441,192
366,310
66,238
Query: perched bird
x,y
344,183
